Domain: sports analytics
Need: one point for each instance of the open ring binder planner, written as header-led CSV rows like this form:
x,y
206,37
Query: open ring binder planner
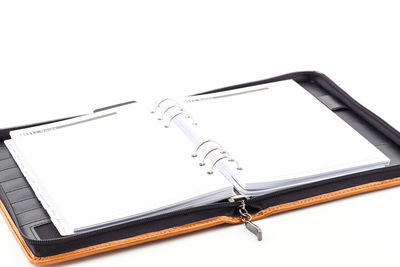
x,y
239,197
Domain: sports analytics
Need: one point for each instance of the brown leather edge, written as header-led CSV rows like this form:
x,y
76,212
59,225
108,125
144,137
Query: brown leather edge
x,y
174,231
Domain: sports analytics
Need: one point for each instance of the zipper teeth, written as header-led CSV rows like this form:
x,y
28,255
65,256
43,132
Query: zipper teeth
x,y
128,224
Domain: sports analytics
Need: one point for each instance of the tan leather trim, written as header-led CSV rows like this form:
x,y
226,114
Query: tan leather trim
x,y
174,231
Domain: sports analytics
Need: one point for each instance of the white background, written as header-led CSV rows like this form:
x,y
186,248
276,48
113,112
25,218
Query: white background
x,y
60,58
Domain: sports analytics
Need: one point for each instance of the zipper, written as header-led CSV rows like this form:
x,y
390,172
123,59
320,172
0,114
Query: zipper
x,y
245,216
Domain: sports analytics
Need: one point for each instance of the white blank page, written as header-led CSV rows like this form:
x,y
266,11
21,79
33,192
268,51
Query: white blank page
x,y
120,166
279,131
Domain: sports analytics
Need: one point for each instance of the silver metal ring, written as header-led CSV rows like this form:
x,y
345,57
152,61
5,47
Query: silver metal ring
x,y
210,151
166,110
221,158
159,103
201,144
176,115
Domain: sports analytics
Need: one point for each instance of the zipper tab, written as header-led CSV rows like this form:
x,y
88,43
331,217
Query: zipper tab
x,y
245,216
254,229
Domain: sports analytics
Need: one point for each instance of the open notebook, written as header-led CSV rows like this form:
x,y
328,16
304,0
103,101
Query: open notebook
x,y
128,163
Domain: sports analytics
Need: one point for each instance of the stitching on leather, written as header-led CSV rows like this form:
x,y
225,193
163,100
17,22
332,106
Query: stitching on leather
x,y
58,258
25,186
8,169
21,200
12,203
28,210
11,179
5,158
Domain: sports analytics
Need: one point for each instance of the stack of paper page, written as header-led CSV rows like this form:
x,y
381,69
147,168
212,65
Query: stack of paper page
x,y
111,167
280,134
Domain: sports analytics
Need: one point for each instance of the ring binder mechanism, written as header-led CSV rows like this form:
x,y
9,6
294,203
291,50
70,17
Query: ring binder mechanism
x,y
210,151
176,105
226,155
181,111
203,143
166,110
176,115
162,101
222,158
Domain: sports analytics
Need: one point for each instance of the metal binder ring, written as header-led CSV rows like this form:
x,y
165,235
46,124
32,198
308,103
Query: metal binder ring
x,y
209,152
176,115
166,110
159,103
224,157
201,144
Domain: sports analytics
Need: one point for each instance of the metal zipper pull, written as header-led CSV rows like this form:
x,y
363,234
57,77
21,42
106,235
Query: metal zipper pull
x,y
245,216
254,229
